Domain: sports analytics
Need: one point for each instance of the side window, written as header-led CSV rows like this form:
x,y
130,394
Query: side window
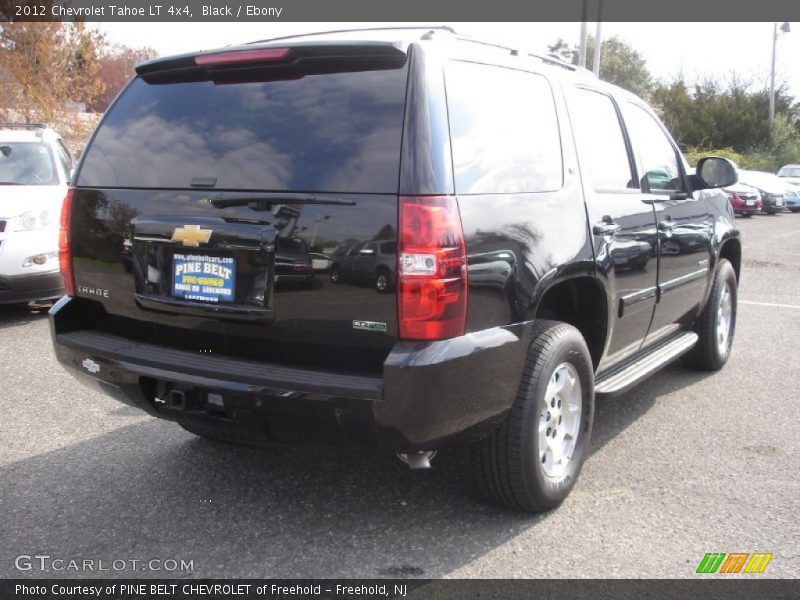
x,y
600,142
356,249
656,153
389,248
63,157
504,130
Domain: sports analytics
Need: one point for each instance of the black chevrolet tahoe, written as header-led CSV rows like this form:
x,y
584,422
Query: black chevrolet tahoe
x,y
551,245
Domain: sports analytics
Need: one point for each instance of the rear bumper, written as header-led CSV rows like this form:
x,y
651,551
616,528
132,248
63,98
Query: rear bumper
x,y
24,288
429,395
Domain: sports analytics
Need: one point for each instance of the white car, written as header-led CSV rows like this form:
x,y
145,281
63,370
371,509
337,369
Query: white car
x,y
790,173
35,167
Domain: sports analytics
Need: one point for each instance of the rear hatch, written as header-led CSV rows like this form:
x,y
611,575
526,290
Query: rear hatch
x,y
217,186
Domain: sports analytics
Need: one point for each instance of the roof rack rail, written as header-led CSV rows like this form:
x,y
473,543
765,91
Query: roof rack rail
x,y
551,59
555,59
466,38
23,125
332,31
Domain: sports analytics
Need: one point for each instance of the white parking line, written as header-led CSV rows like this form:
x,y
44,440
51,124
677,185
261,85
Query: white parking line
x,y
769,304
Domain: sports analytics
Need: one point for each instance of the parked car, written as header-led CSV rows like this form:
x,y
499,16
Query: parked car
x,y
293,262
771,188
792,198
35,166
373,262
790,174
555,189
745,200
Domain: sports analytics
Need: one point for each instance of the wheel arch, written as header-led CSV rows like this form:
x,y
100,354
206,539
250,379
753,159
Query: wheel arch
x,y
731,249
582,302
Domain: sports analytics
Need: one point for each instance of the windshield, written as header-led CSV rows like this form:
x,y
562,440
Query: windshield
x,y
789,172
27,163
762,180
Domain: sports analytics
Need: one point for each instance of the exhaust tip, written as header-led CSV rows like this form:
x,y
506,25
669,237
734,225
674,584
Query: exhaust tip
x,y
418,460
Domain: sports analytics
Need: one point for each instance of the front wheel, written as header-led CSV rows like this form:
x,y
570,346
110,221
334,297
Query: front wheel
x,y
532,461
717,323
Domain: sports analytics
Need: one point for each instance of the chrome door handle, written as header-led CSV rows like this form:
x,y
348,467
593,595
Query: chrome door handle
x,y
667,225
605,228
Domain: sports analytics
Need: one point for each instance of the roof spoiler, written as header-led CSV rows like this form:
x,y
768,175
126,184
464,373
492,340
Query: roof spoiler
x,y
288,57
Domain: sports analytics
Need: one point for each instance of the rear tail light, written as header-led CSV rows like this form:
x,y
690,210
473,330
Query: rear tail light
x,y
431,268
241,57
64,244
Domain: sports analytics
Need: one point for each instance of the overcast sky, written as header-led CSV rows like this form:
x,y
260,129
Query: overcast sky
x,y
693,49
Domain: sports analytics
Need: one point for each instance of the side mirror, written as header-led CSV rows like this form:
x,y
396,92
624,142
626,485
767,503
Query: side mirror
x,y
717,172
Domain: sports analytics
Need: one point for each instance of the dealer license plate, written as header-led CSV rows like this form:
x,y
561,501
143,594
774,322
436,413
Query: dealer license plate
x,y
203,278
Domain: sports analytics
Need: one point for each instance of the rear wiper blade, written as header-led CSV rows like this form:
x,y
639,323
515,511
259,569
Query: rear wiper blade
x,y
265,201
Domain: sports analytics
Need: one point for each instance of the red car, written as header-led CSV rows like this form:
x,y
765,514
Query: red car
x,y
745,200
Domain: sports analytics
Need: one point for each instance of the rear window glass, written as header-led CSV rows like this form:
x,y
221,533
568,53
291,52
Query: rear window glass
x,y
504,130
291,245
338,132
27,163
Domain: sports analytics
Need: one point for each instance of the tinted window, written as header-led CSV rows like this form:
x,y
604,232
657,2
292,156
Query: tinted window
x,y
389,248
27,163
504,130
336,132
601,145
656,153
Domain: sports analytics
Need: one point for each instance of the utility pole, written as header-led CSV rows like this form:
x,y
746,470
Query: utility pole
x,y
598,39
785,28
582,42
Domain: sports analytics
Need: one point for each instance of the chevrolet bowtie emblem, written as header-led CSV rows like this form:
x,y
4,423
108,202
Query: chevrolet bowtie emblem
x,y
191,235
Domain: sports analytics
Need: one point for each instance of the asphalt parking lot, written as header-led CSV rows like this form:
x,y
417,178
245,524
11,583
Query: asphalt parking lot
x,y
685,464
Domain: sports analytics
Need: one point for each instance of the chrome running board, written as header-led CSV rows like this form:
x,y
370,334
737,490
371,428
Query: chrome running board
x,y
622,379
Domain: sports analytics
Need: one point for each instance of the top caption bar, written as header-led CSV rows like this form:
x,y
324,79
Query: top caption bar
x,y
404,10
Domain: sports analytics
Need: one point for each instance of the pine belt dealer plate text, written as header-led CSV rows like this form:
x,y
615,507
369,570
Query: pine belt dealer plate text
x,y
203,278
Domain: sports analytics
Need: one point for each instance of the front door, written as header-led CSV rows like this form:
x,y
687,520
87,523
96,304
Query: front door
x,y
684,227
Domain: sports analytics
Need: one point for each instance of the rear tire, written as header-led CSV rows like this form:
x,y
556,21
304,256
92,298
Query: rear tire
x,y
716,325
532,461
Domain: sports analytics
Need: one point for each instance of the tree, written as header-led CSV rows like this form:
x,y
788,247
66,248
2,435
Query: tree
x,y
116,69
716,114
45,67
619,63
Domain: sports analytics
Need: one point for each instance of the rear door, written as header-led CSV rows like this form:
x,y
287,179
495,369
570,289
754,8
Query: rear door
x,y
684,226
197,174
623,224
